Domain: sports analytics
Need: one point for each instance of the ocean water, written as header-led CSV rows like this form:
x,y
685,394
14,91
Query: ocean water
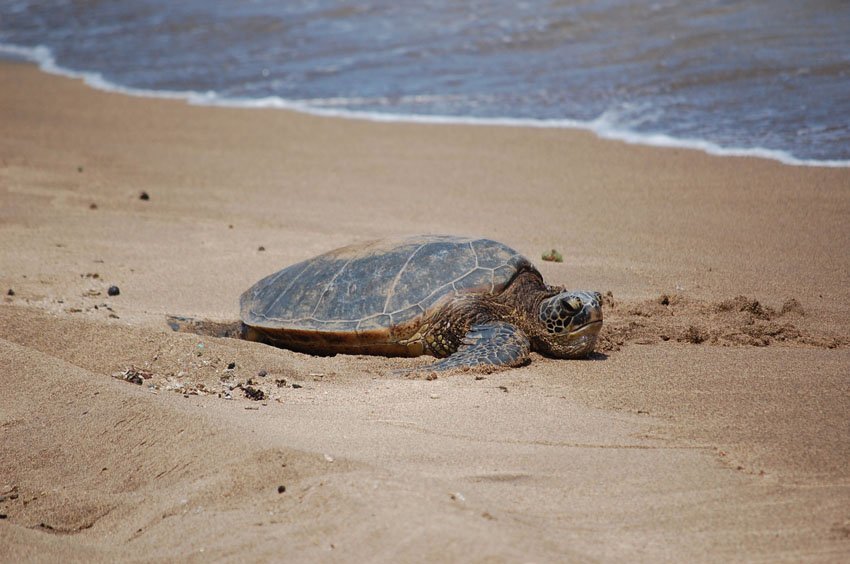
x,y
768,78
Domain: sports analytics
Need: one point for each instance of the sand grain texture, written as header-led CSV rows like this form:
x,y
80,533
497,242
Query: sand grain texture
x,y
712,426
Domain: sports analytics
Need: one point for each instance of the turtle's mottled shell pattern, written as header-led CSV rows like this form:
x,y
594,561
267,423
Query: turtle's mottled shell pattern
x,y
378,285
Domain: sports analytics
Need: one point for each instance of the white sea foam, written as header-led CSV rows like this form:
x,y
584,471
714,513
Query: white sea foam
x,y
604,126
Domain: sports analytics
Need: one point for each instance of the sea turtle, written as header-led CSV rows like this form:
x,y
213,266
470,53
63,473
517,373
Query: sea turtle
x,y
467,301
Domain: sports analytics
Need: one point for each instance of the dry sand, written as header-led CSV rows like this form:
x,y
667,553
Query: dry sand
x,y
714,425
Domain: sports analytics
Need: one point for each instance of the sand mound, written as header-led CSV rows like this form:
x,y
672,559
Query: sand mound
x,y
738,321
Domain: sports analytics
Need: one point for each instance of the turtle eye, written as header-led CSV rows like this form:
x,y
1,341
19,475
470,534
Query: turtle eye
x,y
571,304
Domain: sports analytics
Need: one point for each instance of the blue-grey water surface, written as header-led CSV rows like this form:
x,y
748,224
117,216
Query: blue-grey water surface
x,y
765,77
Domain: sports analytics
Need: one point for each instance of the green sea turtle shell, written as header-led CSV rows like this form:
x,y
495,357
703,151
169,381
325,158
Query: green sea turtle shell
x,y
366,290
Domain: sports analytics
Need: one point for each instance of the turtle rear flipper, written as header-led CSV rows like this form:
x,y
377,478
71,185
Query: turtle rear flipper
x,y
497,344
182,324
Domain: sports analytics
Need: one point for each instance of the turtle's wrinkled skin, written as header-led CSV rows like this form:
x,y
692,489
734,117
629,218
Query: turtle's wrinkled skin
x,y
467,301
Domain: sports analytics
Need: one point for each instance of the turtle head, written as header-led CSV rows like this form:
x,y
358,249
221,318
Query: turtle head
x,y
572,321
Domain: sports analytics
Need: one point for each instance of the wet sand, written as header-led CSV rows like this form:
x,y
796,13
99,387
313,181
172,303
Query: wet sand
x,y
712,425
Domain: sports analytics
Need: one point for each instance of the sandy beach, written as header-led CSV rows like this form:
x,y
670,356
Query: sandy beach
x,y
712,425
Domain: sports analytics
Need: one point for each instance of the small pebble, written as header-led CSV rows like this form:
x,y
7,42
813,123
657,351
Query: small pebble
x,y
231,366
11,292
261,248
144,196
113,291
92,206
296,386
281,489
262,373
79,169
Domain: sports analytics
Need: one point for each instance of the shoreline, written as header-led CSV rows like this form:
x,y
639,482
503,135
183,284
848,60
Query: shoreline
x,y
711,427
42,57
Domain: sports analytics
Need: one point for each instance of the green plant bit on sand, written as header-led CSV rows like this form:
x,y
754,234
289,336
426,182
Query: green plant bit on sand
x,y
553,256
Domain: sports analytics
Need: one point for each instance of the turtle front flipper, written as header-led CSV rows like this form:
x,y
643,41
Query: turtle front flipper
x,y
488,344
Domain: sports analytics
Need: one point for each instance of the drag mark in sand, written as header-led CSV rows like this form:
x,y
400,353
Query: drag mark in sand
x,y
409,425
